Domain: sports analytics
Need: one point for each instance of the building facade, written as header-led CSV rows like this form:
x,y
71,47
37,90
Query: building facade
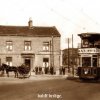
x,y
70,57
30,45
70,61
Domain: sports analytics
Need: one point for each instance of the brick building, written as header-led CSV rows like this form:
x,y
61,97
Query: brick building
x,y
73,57
31,45
70,61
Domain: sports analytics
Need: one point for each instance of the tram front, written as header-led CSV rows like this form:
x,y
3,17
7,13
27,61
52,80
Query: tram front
x,y
89,53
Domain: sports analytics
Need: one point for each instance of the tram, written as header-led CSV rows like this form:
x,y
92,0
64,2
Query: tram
x,y
89,56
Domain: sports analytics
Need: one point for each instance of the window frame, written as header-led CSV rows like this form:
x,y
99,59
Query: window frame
x,y
27,47
46,46
9,62
9,45
45,62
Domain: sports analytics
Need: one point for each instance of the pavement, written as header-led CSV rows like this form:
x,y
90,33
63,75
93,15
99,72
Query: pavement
x,y
12,80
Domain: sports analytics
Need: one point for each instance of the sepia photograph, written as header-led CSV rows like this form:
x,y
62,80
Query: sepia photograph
x,y
49,50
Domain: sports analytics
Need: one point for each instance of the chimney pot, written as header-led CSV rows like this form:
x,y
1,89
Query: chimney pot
x,y
30,23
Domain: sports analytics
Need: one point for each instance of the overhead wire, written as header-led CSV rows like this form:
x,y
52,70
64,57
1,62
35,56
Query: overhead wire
x,y
75,9
62,16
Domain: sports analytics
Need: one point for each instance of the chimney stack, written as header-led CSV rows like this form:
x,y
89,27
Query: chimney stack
x,y
30,23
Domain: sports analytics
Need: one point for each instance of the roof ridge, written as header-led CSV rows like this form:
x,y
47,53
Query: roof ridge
x,y
25,26
25,30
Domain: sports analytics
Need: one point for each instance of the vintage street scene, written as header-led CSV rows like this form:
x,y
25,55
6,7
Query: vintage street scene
x,y
49,50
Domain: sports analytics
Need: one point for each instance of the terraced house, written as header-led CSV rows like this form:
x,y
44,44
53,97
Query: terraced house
x,y
30,45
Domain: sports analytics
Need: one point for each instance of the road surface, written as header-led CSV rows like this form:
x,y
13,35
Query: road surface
x,y
55,89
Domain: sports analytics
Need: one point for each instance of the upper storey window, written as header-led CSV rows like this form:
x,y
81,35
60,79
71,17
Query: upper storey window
x,y
27,45
9,45
45,46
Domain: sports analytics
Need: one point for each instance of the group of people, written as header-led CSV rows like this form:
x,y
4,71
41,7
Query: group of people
x,y
48,70
62,70
45,70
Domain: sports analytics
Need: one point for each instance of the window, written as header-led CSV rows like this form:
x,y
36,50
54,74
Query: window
x,y
94,62
27,45
9,61
9,45
45,46
45,62
86,61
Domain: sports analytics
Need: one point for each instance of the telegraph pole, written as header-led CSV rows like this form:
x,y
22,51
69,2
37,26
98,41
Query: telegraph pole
x,y
52,53
52,50
68,57
72,58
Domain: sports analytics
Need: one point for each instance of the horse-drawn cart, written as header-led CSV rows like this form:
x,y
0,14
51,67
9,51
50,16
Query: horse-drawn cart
x,y
24,71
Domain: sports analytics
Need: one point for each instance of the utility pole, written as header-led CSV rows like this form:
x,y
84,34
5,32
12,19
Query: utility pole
x,y
52,50
52,53
68,57
72,58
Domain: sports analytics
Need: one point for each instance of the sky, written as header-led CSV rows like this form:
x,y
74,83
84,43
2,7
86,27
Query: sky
x,y
69,16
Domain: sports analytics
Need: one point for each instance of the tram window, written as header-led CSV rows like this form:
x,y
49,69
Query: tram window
x,y
86,61
94,55
85,43
85,46
94,62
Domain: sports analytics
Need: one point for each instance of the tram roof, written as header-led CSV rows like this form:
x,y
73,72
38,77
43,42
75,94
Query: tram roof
x,y
90,35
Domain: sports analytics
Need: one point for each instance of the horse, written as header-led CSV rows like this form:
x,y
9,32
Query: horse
x,y
1,68
1,71
8,69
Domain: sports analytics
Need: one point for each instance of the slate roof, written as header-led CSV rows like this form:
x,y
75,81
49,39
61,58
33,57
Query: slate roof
x,y
26,31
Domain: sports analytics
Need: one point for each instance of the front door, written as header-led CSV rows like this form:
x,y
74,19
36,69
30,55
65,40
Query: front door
x,y
27,62
46,65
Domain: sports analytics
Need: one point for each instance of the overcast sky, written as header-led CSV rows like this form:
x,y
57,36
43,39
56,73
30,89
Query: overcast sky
x,y
69,16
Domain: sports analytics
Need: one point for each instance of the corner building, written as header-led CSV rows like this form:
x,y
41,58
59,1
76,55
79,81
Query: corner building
x,y
31,45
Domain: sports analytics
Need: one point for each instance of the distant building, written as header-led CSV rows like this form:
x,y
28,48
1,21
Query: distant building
x,y
70,57
32,45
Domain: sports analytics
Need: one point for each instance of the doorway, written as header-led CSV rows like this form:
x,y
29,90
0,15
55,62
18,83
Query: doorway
x,y
27,62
